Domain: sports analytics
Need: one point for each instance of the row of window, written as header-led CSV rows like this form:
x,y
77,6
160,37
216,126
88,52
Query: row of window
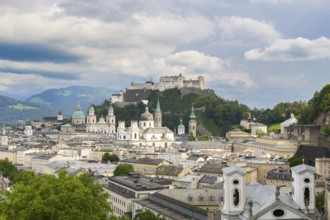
x,y
118,201
200,198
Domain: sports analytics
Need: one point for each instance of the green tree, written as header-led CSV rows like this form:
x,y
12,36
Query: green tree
x,y
319,201
109,157
260,133
204,137
147,215
294,161
123,169
55,197
8,169
191,137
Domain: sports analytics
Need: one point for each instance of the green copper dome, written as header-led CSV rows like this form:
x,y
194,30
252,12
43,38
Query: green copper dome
x,y
147,116
78,114
181,124
192,114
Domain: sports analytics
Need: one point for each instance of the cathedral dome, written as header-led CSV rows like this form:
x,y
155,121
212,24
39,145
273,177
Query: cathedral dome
x,y
78,114
146,116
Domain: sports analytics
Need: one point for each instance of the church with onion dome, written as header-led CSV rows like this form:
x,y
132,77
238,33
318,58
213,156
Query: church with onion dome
x,y
148,131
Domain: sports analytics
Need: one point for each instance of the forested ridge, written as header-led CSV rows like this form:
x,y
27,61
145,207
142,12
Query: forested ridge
x,y
219,115
214,113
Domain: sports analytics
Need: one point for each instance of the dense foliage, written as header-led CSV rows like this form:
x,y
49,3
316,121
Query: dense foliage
x,y
214,113
7,169
294,161
320,103
109,157
55,197
123,169
147,215
319,201
280,112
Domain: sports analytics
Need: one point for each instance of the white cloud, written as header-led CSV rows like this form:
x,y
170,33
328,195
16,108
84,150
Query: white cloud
x,y
195,63
298,49
246,30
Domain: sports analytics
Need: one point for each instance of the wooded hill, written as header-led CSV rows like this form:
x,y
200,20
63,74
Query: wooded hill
x,y
215,114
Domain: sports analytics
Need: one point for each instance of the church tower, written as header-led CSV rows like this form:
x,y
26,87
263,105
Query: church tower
x,y
91,117
192,122
158,116
4,137
59,116
181,128
111,120
303,187
233,192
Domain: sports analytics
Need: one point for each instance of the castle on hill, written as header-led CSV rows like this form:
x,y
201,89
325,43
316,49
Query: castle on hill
x,y
171,82
141,91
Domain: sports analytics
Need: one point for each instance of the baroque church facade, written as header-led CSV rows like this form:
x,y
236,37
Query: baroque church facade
x,y
256,201
148,131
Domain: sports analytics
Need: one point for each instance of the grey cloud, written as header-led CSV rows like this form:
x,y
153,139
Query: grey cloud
x,y
36,53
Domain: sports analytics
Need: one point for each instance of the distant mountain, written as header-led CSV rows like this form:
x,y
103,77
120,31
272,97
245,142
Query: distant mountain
x,y
49,102
66,99
14,96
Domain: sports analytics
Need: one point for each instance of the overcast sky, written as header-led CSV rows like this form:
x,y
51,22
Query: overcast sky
x,y
259,52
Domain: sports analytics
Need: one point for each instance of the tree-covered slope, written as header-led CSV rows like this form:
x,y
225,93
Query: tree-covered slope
x,y
217,115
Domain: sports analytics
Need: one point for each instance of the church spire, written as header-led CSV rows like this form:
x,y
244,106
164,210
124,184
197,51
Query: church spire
x,y
158,115
192,114
158,105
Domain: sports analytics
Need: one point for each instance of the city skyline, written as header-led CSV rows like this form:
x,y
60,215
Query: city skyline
x,y
259,52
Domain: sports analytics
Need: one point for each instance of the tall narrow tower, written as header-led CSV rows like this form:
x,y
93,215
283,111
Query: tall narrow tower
x,y
158,116
233,192
111,120
192,122
91,117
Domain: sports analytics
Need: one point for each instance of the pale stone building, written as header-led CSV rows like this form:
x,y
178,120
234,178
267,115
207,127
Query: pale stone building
x,y
291,121
103,125
147,131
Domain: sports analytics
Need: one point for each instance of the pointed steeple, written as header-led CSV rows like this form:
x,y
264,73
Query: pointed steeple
x,y
91,110
158,105
158,115
192,114
78,107
110,110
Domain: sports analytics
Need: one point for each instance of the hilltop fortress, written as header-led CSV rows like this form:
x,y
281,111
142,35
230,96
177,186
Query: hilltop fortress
x,y
140,91
170,82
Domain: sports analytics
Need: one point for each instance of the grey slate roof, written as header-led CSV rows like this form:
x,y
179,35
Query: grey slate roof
x,y
309,153
143,161
279,174
169,170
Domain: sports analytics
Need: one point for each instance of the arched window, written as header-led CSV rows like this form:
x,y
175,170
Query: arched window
x,y
236,197
306,196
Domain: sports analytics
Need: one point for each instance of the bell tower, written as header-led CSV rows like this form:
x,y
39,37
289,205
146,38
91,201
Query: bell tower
x,y
233,192
111,119
158,116
192,122
303,187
